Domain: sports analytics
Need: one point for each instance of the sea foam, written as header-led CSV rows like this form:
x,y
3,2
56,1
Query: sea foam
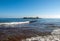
x,y
15,23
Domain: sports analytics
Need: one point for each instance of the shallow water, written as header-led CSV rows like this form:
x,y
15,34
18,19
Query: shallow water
x,y
20,30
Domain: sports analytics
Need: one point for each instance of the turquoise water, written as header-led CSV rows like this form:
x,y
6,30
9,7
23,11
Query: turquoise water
x,y
41,21
4,20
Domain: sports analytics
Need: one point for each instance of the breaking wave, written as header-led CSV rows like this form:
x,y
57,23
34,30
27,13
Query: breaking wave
x,y
14,24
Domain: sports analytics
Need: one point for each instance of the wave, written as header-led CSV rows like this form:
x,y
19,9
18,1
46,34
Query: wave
x,y
44,38
15,23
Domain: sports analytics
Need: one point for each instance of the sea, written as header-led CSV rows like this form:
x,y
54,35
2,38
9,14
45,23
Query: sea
x,y
22,27
43,23
5,20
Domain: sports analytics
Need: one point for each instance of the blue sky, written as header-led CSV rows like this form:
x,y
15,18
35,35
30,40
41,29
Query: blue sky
x,y
21,8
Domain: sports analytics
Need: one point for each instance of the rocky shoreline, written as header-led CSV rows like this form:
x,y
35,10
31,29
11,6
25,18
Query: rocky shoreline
x,y
25,34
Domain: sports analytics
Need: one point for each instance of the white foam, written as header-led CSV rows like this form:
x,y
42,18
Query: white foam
x,y
15,23
56,31
44,38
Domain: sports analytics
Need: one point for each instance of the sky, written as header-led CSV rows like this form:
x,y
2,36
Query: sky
x,y
29,8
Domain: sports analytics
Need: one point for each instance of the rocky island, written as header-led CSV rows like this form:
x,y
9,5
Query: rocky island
x,y
30,17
